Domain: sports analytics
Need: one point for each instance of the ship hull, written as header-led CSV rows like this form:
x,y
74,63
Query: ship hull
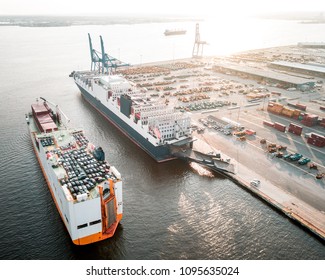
x,y
160,153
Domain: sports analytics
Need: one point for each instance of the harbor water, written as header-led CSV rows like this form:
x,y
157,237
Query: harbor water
x,y
171,211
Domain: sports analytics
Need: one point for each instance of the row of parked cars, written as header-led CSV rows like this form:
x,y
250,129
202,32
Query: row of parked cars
x,y
276,150
297,157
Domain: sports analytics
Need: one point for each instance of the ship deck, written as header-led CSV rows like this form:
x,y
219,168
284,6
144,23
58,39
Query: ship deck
x,y
67,156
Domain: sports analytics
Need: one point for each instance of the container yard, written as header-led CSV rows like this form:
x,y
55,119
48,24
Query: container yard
x,y
261,124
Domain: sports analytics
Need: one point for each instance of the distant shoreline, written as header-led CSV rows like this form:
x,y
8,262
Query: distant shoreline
x,y
64,21
74,20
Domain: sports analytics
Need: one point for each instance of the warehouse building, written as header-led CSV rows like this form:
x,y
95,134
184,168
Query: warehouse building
x,y
283,80
315,45
309,69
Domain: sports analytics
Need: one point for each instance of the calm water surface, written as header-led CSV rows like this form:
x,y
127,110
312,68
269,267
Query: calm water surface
x,y
170,211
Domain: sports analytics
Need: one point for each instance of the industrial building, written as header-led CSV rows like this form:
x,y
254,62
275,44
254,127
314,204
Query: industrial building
x,y
316,45
309,69
284,80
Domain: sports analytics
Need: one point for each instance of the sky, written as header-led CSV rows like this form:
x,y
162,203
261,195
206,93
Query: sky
x,y
151,7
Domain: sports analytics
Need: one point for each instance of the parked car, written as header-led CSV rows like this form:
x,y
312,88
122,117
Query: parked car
x,y
295,157
313,165
303,160
287,156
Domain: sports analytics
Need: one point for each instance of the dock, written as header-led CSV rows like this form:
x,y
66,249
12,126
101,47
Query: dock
x,y
207,156
219,99
293,207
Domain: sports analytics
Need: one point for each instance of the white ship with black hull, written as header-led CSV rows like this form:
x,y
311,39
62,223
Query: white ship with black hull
x,y
153,127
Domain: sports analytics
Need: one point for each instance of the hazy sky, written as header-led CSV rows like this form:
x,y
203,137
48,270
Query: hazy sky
x,y
148,7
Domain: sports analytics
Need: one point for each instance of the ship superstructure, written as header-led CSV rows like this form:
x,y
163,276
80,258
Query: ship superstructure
x,y
86,189
152,126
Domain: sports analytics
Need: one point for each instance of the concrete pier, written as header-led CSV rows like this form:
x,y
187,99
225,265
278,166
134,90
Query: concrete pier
x,y
295,208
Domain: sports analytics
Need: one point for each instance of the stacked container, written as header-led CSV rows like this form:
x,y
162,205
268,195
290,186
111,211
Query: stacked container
x,y
322,122
268,123
42,118
296,114
316,140
279,126
275,108
310,120
295,129
287,112
301,107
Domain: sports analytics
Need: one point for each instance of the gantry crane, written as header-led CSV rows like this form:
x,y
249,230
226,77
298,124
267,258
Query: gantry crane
x,y
101,61
198,44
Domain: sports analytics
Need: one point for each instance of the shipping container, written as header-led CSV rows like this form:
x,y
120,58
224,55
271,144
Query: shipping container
x,y
322,108
319,144
298,106
46,118
279,126
295,129
316,142
39,109
48,127
291,104
301,107
308,122
295,126
310,117
287,112
317,136
268,123
298,133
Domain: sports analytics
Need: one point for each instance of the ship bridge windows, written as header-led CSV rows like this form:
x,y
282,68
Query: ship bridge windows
x,y
95,222
90,224
82,226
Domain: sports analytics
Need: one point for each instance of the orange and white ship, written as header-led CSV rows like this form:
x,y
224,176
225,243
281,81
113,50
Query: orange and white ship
x,y
86,189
